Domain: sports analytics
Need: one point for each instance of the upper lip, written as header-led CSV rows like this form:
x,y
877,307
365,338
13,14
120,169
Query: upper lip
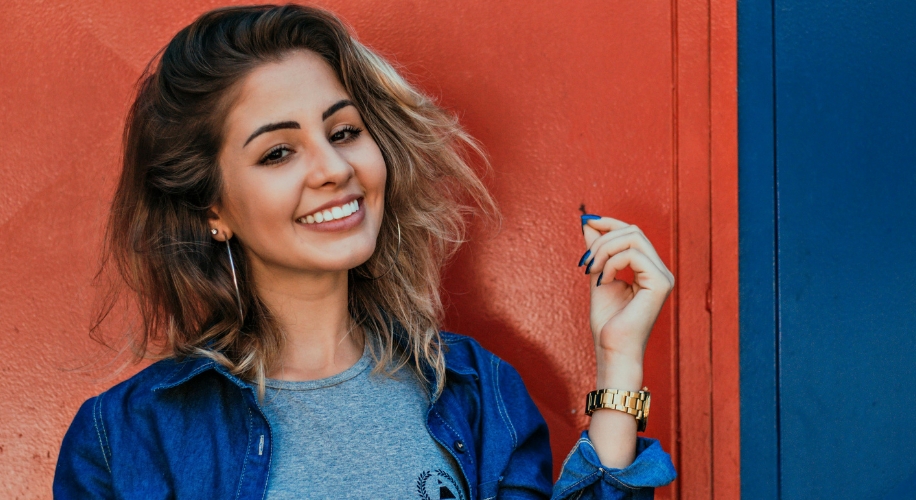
x,y
336,202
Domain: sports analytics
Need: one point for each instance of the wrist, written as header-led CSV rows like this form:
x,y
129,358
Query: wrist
x,y
620,372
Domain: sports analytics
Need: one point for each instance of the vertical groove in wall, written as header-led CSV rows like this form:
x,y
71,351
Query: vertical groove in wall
x,y
709,152
776,303
675,238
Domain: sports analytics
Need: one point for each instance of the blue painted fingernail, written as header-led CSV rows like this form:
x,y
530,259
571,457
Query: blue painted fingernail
x,y
599,278
589,266
588,217
582,260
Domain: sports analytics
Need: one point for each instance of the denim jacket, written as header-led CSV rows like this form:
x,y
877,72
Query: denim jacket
x,y
190,429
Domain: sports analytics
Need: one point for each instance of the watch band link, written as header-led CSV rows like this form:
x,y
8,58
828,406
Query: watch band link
x,y
626,401
632,402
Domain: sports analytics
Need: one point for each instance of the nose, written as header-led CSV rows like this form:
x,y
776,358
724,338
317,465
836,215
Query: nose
x,y
327,168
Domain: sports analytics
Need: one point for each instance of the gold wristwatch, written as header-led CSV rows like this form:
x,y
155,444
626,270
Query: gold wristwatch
x,y
634,403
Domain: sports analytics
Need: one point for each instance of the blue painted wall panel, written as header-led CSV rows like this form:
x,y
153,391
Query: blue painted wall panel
x,y
827,180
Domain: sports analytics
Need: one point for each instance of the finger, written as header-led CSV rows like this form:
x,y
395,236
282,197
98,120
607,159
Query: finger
x,y
645,273
596,240
618,240
603,224
594,226
590,235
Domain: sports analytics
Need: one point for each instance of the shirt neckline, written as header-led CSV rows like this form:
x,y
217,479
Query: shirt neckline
x,y
310,385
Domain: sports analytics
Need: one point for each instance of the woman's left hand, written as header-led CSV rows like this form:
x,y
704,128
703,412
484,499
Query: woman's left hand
x,y
622,314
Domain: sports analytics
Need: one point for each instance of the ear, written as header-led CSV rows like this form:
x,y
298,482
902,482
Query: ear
x,y
219,231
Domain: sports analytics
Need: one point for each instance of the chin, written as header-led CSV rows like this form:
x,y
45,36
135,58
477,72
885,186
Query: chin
x,y
351,257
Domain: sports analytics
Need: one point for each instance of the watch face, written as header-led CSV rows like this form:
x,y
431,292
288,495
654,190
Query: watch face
x,y
645,406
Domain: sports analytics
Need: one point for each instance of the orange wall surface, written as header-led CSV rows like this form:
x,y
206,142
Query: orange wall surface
x,y
625,108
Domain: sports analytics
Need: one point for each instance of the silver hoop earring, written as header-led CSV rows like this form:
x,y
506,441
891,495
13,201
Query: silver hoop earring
x,y
394,261
235,280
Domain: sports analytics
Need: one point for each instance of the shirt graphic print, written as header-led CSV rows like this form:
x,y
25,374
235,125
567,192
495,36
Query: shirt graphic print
x,y
438,485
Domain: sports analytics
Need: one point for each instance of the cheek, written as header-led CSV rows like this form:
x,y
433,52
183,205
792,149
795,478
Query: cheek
x,y
370,171
374,172
380,174
261,201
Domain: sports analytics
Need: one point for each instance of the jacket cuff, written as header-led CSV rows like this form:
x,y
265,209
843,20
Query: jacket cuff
x,y
651,468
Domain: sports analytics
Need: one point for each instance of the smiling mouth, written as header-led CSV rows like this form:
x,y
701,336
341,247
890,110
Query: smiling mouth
x,y
329,214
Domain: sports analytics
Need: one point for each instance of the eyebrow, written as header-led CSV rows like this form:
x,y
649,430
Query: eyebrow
x,y
343,103
270,127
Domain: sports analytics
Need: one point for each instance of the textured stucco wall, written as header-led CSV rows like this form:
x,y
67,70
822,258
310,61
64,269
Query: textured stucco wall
x,y
573,101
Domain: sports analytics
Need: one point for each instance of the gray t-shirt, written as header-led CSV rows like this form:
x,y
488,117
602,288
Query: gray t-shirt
x,y
356,435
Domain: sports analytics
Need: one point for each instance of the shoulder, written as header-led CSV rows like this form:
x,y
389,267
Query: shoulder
x,y
146,425
496,378
163,373
465,354
466,358
152,393
167,392
85,458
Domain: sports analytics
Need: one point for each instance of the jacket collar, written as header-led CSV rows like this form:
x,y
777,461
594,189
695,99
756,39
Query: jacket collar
x,y
190,368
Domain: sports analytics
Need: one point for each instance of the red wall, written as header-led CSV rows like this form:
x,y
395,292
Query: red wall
x,y
625,107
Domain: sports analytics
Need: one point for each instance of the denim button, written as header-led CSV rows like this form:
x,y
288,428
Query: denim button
x,y
459,446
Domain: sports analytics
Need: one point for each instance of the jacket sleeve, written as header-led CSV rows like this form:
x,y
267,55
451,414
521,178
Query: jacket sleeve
x,y
583,476
528,474
83,466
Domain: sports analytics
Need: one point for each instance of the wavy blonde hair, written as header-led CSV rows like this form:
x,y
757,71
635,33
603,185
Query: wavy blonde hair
x,y
158,237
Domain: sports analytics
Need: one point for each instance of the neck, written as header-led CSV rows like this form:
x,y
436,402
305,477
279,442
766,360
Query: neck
x,y
311,311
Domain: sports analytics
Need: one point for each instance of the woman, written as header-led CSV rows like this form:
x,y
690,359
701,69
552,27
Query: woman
x,y
286,203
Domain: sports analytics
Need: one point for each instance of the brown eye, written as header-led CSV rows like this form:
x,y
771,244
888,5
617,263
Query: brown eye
x,y
275,155
345,134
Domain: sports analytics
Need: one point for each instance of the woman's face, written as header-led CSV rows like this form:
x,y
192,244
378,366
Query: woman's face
x,y
303,181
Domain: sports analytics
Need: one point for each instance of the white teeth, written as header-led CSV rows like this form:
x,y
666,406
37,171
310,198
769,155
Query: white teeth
x,y
330,214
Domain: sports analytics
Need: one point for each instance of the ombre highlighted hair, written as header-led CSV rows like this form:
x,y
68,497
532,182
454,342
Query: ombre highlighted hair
x,y
158,238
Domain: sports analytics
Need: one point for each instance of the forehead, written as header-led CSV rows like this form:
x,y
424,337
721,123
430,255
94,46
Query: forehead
x,y
301,83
